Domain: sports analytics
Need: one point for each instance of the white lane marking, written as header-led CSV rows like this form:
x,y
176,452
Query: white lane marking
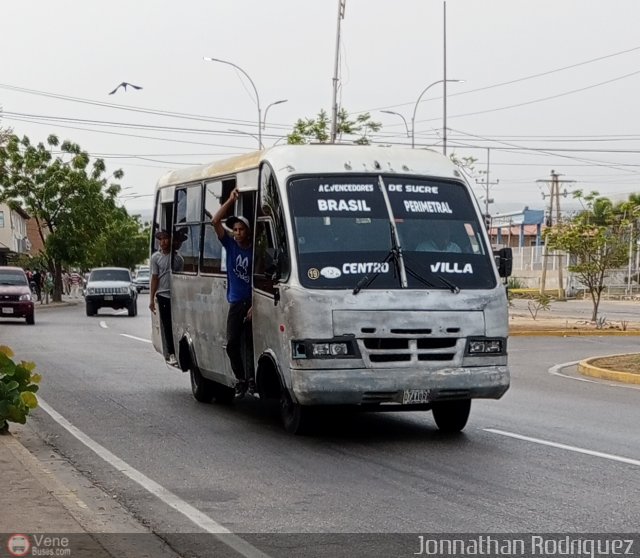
x,y
136,338
557,371
169,498
103,324
574,449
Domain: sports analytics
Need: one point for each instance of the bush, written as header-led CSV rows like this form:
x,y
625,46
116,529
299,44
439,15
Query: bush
x,y
540,302
515,283
18,385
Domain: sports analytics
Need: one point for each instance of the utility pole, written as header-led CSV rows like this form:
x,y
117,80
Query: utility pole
x,y
554,201
487,183
444,79
336,71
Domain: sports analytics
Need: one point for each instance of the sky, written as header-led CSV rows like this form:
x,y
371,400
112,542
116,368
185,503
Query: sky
x,y
548,84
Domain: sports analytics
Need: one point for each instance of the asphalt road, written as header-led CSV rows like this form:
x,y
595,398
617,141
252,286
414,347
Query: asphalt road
x,y
556,454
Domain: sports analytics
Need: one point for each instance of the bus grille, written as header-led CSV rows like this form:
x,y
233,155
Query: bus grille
x,y
384,350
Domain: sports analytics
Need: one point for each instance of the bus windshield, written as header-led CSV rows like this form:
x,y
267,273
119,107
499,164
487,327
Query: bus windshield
x,y
343,233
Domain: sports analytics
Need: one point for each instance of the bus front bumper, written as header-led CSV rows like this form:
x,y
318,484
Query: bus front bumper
x,y
392,386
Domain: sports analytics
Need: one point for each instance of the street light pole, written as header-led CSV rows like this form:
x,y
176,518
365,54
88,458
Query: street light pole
x,y
336,70
255,90
403,119
415,108
264,120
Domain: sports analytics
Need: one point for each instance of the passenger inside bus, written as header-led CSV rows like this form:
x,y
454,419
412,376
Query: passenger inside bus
x,y
438,239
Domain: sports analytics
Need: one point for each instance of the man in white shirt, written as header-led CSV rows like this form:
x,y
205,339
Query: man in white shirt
x,y
439,240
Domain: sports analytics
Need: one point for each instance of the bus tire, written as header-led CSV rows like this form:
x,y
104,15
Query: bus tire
x,y
451,416
222,394
203,389
296,418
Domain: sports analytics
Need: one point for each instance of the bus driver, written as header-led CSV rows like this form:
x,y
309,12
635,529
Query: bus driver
x,y
239,261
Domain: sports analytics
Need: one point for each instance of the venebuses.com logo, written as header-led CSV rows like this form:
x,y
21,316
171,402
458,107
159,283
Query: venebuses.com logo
x,y
18,545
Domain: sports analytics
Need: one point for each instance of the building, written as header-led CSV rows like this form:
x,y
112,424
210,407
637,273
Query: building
x,y
14,240
517,229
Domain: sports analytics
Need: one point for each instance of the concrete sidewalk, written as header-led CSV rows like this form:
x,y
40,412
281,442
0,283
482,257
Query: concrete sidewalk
x,y
38,497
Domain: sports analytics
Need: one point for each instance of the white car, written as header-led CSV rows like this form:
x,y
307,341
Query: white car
x,y
110,287
142,279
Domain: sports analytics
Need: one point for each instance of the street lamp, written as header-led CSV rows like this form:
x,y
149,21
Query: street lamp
x,y
413,118
403,119
255,90
264,120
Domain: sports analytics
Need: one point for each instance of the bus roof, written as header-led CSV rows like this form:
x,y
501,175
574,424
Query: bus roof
x,y
323,158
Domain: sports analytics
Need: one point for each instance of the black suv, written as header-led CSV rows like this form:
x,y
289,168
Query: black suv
x,y
110,287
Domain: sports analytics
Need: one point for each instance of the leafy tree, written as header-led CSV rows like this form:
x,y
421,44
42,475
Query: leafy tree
x,y
123,242
70,198
5,133
596,239
318,130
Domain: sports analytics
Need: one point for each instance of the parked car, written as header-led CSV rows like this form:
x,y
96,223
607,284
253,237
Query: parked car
x,y
141,281
16,300
110,287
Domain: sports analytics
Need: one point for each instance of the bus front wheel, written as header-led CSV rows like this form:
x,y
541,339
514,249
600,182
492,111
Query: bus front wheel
x,y
451,416
295,417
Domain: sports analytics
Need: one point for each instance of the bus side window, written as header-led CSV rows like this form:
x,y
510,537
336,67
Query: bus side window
x,y
186,232
272,205
211,258
265,261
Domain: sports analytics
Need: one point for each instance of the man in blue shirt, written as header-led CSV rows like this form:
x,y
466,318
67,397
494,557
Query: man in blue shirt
x,y
239,262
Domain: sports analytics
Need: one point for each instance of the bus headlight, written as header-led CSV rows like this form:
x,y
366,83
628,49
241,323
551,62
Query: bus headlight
x,y
330,348
486,346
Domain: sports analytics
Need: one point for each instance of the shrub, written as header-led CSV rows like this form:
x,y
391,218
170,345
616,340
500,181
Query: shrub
x,y
18,385
515,283
540,302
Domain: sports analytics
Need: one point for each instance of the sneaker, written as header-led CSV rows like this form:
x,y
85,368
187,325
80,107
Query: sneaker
x,y
241,389
172,360
251,387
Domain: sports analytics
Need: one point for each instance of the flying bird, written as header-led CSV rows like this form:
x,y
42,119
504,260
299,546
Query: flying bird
x,y
124,85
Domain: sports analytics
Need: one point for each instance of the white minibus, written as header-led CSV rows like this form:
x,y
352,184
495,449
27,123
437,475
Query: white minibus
x,y
374,285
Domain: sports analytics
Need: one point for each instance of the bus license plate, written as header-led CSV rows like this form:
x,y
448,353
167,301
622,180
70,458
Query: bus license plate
x,y
411,396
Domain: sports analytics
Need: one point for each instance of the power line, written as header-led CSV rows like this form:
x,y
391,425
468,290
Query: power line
x,y
518,80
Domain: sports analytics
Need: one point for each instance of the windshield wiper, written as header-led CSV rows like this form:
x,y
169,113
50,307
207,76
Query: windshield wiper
x,y
367,280
449,284
452,286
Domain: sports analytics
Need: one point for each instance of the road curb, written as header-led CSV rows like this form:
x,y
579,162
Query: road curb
x,y
571,333
53,305
587,369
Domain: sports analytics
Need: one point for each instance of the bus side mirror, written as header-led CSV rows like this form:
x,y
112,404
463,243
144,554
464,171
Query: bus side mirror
x,y
504,261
